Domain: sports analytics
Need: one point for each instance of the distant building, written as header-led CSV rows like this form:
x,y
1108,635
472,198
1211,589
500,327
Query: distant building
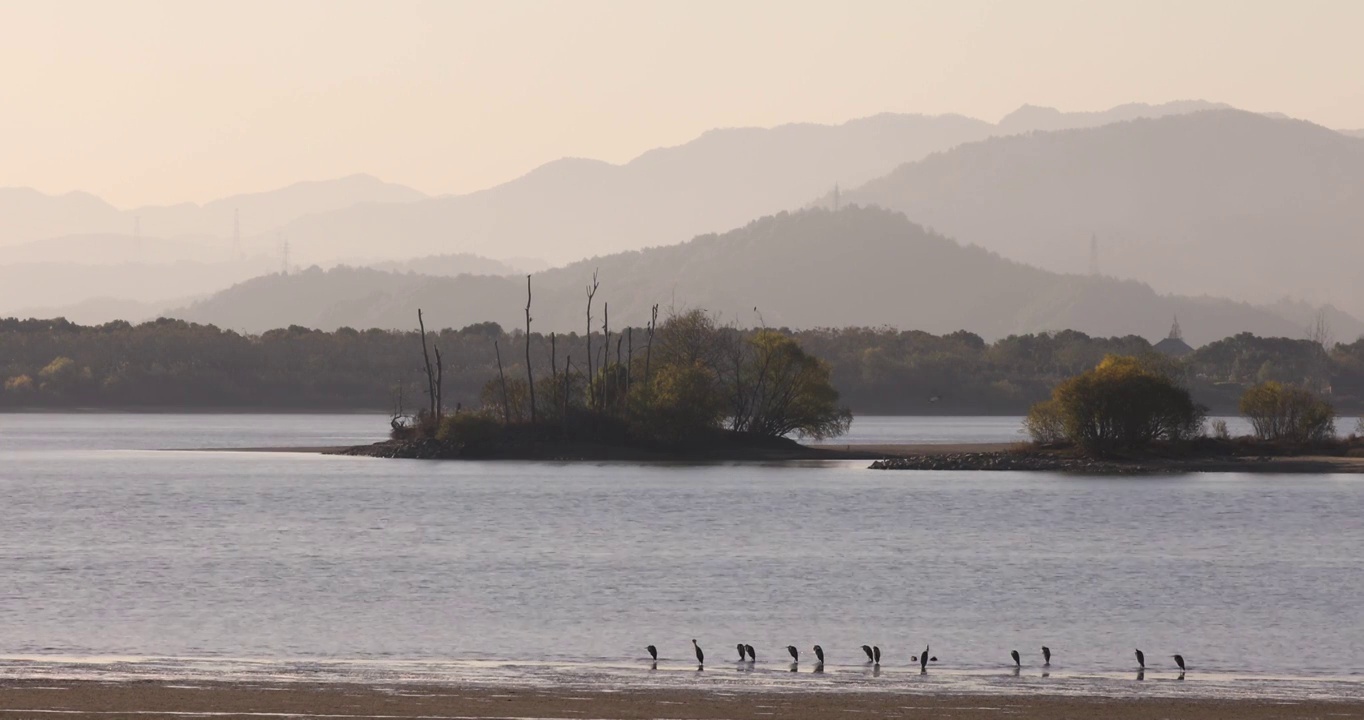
x,y
1174,344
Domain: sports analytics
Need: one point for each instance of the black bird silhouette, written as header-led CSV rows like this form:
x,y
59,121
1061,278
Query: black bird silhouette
x,y
740,646
819,654
923,659
653,652
700,656
1179,660
1141,659
752,656
1017,661
1046,655
867,649
876,654
795,654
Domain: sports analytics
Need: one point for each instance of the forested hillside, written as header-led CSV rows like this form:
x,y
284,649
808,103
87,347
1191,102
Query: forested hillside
x,y
860,266
1221,202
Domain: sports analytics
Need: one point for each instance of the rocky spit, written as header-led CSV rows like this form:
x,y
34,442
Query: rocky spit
x,y
1014,461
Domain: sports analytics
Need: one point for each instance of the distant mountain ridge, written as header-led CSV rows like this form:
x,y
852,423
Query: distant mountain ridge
x,y
27,215
570,208
814,268
564,209
1218,202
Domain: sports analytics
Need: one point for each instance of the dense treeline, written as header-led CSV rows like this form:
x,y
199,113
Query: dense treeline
x,y
170,363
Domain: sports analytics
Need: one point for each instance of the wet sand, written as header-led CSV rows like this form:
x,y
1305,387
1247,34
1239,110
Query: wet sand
x,y
151,700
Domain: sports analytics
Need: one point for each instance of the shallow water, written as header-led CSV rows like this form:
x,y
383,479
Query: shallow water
x,y
123,560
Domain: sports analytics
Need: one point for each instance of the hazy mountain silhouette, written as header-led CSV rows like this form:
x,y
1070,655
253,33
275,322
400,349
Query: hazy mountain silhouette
x,y
29,287
27,215
1352,133
100,310
1221,202
859,266
113,249
1033,118
449,265
573,207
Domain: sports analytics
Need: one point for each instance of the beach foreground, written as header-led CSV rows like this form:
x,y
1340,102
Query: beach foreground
x,y
152,699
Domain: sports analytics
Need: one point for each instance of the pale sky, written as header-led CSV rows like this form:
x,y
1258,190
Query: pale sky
x,y
152,102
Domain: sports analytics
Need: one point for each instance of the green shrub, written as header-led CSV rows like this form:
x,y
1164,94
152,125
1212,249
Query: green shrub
x,y
476,429
1122,403
1045,424
1288,413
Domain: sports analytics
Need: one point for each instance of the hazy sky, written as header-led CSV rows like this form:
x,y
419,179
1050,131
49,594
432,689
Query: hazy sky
x,y
161,102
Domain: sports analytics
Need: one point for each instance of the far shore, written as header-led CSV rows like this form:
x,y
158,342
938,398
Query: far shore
x,y
150,700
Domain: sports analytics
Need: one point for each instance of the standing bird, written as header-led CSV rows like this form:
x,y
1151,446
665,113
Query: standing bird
x,y
700,656
795,654
819,654
876,654
1017,661
1046,655
752,656
740,646
653,652
922,659
1141,659
867,649
1179,660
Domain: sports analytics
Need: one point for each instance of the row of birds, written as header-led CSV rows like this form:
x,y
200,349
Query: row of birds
x,y
873,652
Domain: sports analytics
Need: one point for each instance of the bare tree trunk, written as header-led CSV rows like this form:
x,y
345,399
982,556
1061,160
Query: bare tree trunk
x,y
606,354
553,360
530,376
506,406
629,357
649,347
440,383
615,374
430,376
568,366
591,381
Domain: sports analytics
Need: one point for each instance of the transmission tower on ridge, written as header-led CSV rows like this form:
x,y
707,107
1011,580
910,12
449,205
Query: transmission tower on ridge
x,y
236,232
284,254
1094,255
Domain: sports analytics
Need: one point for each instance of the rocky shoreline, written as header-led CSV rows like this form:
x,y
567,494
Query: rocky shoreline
x,y
1038,461
1015,462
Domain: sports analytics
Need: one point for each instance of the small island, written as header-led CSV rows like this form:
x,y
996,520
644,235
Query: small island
x,y
694,389
1133,415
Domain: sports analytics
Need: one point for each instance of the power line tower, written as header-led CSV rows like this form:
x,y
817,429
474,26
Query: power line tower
x,y
1094,255
838,200
236,233
284,254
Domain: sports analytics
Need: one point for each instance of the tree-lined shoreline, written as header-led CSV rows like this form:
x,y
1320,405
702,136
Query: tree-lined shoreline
x,y
179,366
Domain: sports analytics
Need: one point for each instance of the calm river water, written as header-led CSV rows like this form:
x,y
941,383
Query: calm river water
x,y
119,557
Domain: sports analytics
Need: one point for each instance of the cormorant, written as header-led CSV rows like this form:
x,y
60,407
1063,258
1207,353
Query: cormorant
x,y
1179,660
740,646
1017,661
795,654
1046,655
923,659
867,649
1141,659
819,654
653,652
752,656
876,654
700,656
